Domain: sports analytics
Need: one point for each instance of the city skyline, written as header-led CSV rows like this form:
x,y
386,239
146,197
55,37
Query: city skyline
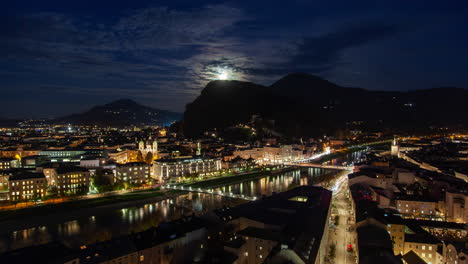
x,y
64,58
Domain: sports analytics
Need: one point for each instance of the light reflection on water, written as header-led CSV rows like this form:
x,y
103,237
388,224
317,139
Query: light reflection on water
x,y
88,229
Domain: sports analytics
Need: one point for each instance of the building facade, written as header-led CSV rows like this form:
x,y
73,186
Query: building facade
x,y
9,163
150,146
420,209
68,180
27,186
133,172
456,207
176,168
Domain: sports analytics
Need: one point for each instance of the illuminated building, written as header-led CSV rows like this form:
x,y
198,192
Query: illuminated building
x,y
123,156
271,155
418,207
456,207
150,146
73,155
27,186
133,172
8,163
176,168
395,151
70,180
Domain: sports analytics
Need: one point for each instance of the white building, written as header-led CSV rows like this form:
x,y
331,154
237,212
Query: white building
x,y
176,168
271,155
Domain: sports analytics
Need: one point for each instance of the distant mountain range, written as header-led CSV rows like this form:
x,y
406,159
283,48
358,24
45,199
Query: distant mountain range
x,y
305,105
123,112
6,122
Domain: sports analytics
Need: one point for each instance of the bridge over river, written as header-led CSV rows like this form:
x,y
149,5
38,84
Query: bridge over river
x,y
210,191
315,165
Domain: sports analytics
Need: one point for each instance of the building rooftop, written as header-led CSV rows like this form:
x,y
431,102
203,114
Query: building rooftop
x,y
235,243
26,176
7,159
265,234
375,246
185,159
302,213
69,169
131,164
413,258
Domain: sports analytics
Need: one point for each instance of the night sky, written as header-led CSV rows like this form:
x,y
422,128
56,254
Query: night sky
x,y
60,57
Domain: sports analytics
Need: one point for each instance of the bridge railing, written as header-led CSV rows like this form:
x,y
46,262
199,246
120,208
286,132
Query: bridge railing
x,y
210,191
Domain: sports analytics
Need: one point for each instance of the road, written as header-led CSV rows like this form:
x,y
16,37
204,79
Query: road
x,y
338,235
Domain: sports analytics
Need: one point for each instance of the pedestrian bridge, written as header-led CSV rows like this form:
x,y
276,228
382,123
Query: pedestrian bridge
x,y
315,165
210,191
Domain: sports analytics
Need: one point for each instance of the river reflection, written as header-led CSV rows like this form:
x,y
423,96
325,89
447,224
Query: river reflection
x,y
114,222
280,183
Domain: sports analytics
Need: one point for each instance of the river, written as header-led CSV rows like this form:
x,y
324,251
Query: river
x,y
114,222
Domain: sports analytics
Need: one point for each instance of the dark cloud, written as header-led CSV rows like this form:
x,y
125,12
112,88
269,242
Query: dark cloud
x,y
322,53
164,55
54,88
143,54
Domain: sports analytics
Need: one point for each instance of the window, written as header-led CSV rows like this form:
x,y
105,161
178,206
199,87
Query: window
x,y
423,247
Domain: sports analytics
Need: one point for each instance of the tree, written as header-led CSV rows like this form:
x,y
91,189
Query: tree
x,y
192,176
149,158
140,157
52,191
101,182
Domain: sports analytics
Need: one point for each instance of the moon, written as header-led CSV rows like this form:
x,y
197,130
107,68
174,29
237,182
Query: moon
x,y
223,75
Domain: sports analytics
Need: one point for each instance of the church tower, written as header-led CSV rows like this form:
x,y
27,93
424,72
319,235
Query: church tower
x,y
147,147
141,146
155,149
198,153
395,149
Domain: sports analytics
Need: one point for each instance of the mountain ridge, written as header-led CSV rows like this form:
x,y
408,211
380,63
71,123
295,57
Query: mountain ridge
x,y
302,104
121,112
